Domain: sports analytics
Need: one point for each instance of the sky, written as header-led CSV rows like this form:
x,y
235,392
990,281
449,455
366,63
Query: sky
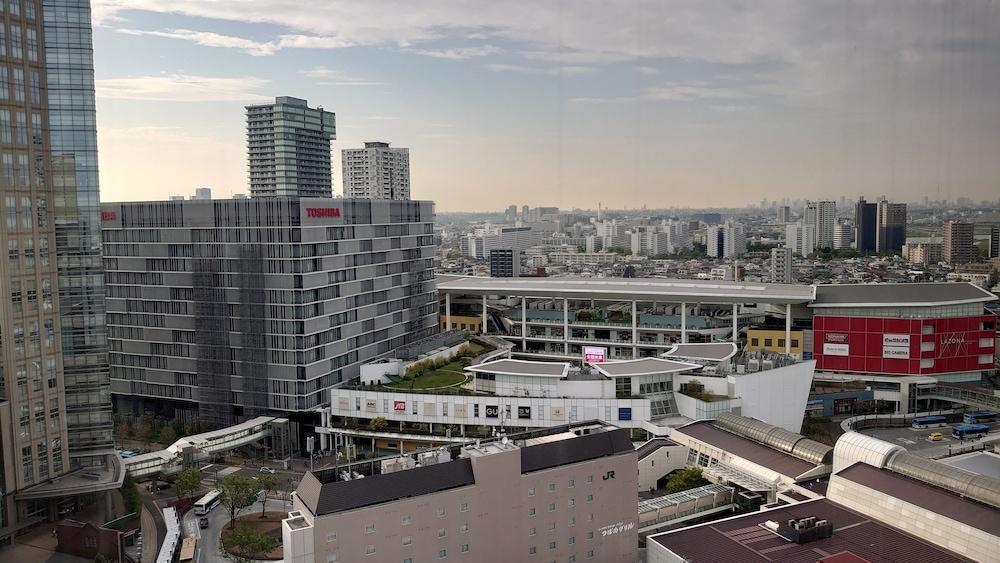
x,y
661,103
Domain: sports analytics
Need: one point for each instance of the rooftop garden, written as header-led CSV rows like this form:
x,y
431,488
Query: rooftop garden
x,y
697,391
445,376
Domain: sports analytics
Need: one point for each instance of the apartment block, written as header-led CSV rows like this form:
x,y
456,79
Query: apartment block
x,y
288,149
223,310
377,171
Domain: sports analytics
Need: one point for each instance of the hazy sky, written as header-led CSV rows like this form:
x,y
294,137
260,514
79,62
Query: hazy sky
x,y
663,103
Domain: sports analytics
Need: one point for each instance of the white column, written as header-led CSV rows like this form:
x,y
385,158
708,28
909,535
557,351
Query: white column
x,y
483,330
447,311
788,328
736,326
524,324
635,332
684,328
566,325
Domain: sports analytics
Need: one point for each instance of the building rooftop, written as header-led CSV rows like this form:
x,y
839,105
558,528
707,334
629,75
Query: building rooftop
x,y
742,538
940,501
648,289
525,368
980,463
643,366
709,351
323,494
899,295
747,449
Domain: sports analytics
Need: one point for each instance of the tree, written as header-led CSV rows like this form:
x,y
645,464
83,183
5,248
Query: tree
x,y
267,483
168,435
187,482
245,545
685,479
100,558
237,493
378,424
144,431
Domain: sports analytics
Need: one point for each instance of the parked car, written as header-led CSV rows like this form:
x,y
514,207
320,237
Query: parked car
x,y
203,522
267,470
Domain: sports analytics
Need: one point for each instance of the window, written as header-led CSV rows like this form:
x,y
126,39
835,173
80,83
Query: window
x,y
532,550
370,550
531,531
572,540
465,548
407,540
332,558
552,507
552,526
464,528
405,521
442,533
370,529
590,517
768,342
442,553
590,498
781,343
590,535
571,502
571,483
552,545
590,478
590,554
440,512
331,537
464,507
531,492
531,511
572,520
551,487
755,342
795,343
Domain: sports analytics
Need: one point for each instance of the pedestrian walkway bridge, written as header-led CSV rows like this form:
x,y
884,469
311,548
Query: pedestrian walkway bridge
x,y
978,397
200,447
670,509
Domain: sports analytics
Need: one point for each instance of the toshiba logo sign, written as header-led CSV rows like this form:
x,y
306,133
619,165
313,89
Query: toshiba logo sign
x,y
323,212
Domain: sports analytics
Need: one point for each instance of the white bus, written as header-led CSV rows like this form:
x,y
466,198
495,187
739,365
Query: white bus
x,y
205,504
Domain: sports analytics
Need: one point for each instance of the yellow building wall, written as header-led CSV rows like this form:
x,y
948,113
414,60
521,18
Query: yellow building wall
x,y
460,322
757,339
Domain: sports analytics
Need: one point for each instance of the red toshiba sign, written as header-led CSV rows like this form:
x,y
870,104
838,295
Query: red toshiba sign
x,y
108,215
323,212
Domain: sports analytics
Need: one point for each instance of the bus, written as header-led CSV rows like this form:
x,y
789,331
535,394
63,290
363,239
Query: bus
x,y
980,417
969,431
929,422
205,504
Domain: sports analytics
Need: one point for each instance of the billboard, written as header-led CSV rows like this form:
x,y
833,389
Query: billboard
x,y
492,411
594,354
896,346
399,406
523,412
836,349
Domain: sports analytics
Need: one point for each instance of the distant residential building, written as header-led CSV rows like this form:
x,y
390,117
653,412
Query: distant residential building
x,y
377,171
781,265
583,258
727,240
822,215
525,212
891,232
976,278
784,214
959,242
288,148
865,226
176,198
843,236
994,250
505,263
801,238
510,215
924,253
202,193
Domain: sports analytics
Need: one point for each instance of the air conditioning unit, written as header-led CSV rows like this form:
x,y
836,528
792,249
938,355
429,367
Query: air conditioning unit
x,y
753,365
767,364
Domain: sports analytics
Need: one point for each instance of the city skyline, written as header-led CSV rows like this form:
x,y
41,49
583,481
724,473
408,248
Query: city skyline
x,y
706,101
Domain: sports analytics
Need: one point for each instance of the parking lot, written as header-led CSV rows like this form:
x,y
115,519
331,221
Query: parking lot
x,y
916,440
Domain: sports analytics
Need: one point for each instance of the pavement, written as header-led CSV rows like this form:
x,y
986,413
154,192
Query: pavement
x,y
916,440
208,539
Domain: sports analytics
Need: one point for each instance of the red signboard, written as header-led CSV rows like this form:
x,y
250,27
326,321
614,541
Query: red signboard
x,y
108,215
399,406
323,212
895,346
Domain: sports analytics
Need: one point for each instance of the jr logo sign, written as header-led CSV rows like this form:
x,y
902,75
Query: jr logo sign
x,y
609,475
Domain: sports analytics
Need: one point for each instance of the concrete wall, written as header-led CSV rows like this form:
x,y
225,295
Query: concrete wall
x,y
776,396
663,461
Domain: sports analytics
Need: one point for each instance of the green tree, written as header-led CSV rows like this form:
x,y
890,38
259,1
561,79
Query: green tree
x,y
245,545
130,495
378,424
168,435
144,430
237,493
685,479
187,482
268,484
100,558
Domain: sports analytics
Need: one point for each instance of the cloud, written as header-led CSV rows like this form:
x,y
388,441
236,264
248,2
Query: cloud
x,y
330,77
554,71
183,88
675,92
457,53
249,46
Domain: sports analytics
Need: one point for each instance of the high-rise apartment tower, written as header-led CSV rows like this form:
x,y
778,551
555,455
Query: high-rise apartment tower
x,y
288,149
377,171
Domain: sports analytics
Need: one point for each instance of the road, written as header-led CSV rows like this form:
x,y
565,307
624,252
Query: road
x,y
916,442
208,539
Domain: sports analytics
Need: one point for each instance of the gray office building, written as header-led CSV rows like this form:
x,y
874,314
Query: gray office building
x,y
505,263
288,149
222,310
